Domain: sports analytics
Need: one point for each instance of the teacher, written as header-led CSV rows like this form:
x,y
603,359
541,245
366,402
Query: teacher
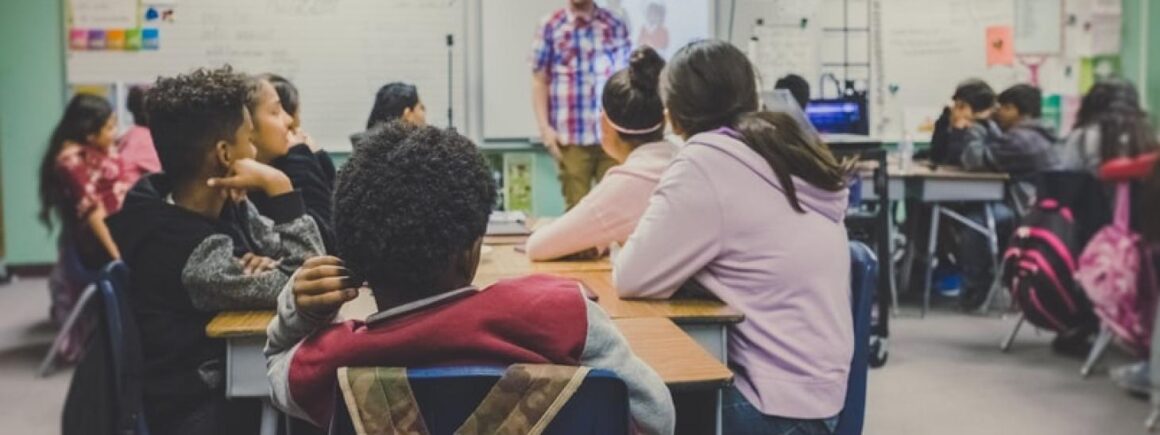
x,y
575,50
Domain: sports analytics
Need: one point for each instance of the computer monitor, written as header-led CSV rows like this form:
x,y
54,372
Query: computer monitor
x,y
844,115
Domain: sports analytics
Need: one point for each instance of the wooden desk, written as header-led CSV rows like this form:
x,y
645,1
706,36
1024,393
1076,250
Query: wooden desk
x,y
680,361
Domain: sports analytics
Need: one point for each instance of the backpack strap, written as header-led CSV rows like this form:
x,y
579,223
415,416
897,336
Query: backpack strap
x,y
380,401
525,400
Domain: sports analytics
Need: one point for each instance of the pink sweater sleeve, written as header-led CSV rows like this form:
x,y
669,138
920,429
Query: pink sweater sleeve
x,y
677,236
608,214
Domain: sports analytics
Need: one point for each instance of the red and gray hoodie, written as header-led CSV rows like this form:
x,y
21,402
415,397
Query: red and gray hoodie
x,y
536,319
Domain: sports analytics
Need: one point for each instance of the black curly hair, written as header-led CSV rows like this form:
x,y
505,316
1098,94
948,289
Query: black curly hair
x,y
190,113
408,203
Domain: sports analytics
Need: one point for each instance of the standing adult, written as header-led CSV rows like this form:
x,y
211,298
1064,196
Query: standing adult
x,y
575,50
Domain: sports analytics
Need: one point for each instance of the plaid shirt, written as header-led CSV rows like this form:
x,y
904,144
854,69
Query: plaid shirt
x,y
579,54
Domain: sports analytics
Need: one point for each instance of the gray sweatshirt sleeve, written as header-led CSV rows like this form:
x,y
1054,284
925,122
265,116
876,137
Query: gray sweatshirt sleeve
x,y
977,152
215,279
649,400
283,337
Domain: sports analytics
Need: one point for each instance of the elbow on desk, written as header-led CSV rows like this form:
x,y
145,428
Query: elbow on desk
x,y
632,286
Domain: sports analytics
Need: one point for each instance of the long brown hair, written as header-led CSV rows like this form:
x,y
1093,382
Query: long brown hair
x,y
711,84
85,115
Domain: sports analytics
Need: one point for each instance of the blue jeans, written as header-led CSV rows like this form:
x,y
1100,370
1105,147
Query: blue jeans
x,y
739,417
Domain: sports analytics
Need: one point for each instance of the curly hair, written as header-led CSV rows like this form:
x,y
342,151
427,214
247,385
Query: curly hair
x,y
190,113
407,202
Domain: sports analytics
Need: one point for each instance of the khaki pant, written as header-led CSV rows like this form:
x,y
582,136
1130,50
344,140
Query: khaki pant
x,y
580,168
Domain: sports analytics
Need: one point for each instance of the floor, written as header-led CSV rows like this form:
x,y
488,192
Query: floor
x,y
945,376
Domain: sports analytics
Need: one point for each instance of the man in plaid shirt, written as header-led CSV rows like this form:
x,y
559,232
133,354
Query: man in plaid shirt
x,y
575,50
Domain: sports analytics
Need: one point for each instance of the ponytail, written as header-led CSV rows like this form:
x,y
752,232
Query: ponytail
x,y
791,152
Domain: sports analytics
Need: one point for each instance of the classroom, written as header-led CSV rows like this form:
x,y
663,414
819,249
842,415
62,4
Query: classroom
x,y
834,217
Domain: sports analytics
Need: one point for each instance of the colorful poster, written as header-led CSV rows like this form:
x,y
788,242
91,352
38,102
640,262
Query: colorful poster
x,y
133,39
1097,68
78,39
97,40
115,39
518,181
150,39
1000,46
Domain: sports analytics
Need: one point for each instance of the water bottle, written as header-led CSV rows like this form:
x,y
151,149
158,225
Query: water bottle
x,y
906,152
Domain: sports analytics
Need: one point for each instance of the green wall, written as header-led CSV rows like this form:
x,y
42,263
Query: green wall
x,y
32,95
31,99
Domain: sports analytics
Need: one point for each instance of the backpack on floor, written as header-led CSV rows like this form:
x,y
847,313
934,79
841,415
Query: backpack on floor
x,y
1118,280
1039,266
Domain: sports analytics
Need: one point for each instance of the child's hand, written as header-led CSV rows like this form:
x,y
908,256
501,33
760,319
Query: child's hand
x,y
249,174
298,136
962,115
322,285
253,264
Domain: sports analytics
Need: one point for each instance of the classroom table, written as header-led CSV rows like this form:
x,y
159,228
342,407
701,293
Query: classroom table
x,y
938,185
679,360
701,321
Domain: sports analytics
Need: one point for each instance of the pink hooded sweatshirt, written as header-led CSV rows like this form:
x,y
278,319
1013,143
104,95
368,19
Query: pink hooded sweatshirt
x,y
719,216
610,211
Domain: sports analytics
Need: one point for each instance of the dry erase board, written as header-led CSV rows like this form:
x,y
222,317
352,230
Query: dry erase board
x,y
338,52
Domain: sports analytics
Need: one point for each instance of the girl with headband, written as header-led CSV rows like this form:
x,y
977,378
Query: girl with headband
x,y
633,129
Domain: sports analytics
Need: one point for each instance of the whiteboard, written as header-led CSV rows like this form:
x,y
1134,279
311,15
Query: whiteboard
x,y
507,31
338,53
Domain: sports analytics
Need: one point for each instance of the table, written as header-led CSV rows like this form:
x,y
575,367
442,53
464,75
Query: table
x,y
705,321
680,361
941,184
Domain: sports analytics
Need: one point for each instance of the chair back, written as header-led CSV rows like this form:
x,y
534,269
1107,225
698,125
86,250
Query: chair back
x,y
447,396
124,346
863,280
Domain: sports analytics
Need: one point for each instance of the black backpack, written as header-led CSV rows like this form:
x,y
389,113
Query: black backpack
x,y
1039,267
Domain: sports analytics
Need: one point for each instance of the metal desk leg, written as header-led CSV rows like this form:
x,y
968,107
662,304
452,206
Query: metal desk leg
x,y
720,401
269,419
993,244
932,249
892,276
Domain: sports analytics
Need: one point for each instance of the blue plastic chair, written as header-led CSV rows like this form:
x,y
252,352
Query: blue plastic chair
x,y
125,346
863,281
447,396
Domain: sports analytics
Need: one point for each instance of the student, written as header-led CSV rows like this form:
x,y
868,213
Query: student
x,y
1110,123
274,105
633,127
196,247
752,210
1018,142
136,145
82,180
972,105
411,210
395,101
798,87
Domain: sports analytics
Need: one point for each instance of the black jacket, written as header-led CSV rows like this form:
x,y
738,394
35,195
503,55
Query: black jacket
x,y
313,175
185,269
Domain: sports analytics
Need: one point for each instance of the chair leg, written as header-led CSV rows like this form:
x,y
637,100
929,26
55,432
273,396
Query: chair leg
x,y
932,249
1006,344
48,365
1097,352
1153,416
269,419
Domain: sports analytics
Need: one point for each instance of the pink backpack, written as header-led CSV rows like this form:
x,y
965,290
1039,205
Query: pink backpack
x,y
1116,272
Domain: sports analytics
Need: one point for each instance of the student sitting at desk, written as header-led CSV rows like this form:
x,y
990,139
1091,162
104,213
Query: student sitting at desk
x,y
182,231
1110,123
283,144
411,210
752,209
394,101
633,124
969,113
136,145
1018,142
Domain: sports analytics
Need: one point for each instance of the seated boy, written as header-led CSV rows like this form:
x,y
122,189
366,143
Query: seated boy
x,y
411,209
184,234
973,104
1018,141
